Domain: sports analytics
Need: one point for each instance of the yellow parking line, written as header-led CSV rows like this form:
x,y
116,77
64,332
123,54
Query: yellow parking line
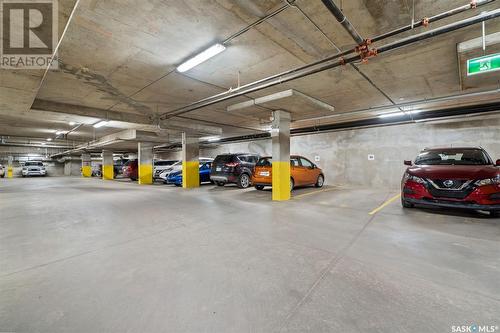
x,y
313,192
385,204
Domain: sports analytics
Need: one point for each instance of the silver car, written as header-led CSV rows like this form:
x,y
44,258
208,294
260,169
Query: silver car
x,y
33,169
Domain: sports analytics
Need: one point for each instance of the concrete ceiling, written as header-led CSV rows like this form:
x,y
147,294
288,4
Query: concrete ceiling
x,y
118,60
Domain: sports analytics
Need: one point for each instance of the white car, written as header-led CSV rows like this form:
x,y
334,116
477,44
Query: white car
x,y
2,171
33,169
178,167
160,166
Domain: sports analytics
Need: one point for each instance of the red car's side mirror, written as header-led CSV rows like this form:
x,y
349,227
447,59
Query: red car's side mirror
x,y
408,163
497,163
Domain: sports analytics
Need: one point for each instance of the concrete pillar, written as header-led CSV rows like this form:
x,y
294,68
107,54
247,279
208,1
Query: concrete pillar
x,y
190,161
86,165
280,135
10,167
145,163
108,171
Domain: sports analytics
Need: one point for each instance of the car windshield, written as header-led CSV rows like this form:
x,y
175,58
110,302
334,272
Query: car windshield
x,y
33,164
223,159
164,163
453,157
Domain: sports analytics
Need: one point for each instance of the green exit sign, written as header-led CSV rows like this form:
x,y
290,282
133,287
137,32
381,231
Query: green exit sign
x,y
486,64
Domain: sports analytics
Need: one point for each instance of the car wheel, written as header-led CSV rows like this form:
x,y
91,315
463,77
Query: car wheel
x,y
221,183
495,213
292,184
320,181
259,187
2,176
178,185
133,179
244,181
406,204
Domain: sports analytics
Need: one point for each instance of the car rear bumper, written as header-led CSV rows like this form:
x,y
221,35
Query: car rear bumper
x,y
224,178
451,204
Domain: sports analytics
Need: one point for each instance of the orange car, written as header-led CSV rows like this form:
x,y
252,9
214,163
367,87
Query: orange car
x,y
303,173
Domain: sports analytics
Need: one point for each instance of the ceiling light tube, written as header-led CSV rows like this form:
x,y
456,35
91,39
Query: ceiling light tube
x,y
396,114
201,57
101,123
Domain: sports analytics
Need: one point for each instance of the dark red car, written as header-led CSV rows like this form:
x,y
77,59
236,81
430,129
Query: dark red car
x,y
454,178
130,170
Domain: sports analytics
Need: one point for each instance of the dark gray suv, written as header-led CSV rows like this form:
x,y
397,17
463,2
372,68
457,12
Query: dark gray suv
x,y
234,168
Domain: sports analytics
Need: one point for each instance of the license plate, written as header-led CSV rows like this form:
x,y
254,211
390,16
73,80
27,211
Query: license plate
x,y
218,169
264,173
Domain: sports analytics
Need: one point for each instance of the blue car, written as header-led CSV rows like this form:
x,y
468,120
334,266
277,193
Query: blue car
x,y
176,176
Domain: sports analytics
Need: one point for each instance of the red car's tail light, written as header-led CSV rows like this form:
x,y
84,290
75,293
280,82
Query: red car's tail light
x,y
232,165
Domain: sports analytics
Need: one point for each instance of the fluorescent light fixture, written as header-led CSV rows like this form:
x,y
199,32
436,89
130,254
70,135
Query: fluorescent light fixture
x,y
101,123
396,114
201,57
49,139
210,138
72,123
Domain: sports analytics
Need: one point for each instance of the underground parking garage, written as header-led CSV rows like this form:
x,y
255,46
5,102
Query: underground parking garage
x,y
250,166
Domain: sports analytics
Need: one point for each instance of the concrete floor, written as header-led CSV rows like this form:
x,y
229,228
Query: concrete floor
x,y
84,255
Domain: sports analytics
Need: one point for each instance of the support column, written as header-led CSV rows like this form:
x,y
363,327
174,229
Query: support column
x,y
145,163
10,167
108,171
190,161
280,134
86,165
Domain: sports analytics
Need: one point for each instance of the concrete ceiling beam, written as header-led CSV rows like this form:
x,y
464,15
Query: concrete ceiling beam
x,y
123,120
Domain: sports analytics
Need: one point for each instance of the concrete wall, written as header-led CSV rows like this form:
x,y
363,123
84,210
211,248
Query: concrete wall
x,y
343,155
72,167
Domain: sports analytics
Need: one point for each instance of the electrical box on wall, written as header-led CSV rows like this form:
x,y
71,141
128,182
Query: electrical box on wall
x,y
317,158
371,157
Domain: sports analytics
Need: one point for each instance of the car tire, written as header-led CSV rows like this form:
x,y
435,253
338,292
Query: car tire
x,y
133,179
259,187
244,181
406,204
495,213
292,184
220,183
320,181
178,185
2,176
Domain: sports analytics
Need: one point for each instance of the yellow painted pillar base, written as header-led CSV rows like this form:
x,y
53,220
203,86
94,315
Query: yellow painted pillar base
x,y
108,172
281,180
10,172
86,171
190,174
145,174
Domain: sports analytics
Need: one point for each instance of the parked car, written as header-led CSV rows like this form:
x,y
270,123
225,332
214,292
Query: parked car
x,y
177,166
130,170
162,165
118,166
234,168
463,177
33,169
97,170
302,173
205,169
2,171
